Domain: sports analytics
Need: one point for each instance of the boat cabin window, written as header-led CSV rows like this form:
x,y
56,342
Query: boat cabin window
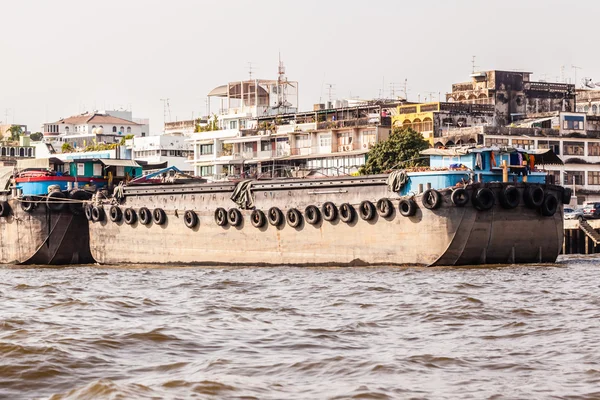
x,y
80,169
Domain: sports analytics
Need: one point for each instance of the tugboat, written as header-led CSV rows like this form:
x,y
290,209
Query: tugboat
x,y
41,215
470,206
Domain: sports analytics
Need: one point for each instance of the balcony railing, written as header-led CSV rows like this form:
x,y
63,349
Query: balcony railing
x,y
353,123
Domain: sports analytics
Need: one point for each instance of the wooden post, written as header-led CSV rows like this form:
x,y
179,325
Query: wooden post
x,y
504,171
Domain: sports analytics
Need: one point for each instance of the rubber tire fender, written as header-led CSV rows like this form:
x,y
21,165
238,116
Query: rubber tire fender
x,y
115,214
312,214
258,218
385,208
533,196
460,197
366,210
510,197
87,209
293,217
431,199
484,199
275,216
221,216
159,216
329,211
130,216
4,208
145,215
98,214
549,205
190,218
566,195
347,213
407,207
234,217
76,207
52,201
27,204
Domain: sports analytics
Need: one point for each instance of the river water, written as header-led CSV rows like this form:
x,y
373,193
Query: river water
x,y
301,333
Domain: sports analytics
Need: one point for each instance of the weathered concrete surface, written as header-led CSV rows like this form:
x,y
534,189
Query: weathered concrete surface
x,y
43,237
462,234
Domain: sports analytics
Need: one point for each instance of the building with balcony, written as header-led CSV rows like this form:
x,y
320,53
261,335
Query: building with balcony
x,y
513,95
157,150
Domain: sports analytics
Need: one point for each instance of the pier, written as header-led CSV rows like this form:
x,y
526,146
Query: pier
x,y
581,237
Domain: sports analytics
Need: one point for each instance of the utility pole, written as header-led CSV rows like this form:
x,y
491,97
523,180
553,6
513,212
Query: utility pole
x,y
575,68
473,66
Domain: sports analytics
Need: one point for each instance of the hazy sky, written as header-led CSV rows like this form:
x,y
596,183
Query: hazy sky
x,y
62,57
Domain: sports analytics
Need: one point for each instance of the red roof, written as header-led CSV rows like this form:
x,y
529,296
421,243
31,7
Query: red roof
x,y
95,119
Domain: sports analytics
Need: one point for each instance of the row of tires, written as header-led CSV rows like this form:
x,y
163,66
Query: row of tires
x,y
57,201
483,199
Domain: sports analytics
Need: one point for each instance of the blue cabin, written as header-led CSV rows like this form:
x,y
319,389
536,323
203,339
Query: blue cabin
x,y
448,167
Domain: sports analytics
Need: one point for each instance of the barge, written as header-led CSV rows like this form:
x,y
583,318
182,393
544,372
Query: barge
x,y
471,206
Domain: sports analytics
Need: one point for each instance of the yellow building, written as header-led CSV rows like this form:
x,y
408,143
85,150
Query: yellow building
x,y
418,117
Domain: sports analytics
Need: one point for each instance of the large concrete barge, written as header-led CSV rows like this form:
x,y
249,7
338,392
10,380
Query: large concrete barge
x,y
473,206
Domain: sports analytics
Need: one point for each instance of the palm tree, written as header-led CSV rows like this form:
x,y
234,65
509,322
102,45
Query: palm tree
x,y
15,132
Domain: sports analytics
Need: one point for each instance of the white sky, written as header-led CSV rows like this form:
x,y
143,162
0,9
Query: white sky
x,y
62,57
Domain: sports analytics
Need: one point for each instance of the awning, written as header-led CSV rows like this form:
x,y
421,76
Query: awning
x,y
544,156
219,91
245,139
109,162
40,163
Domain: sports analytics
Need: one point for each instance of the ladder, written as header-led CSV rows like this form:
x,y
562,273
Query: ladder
x,y
589,231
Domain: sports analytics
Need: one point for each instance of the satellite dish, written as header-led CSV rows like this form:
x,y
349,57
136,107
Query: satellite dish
x,y
587,82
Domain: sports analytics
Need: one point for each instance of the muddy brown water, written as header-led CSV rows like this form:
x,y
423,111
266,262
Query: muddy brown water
x,y
301,333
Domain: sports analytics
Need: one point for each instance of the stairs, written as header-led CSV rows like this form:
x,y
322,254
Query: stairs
x,y
590,232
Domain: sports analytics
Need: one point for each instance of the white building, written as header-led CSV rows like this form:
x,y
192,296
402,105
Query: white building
x,y
172,149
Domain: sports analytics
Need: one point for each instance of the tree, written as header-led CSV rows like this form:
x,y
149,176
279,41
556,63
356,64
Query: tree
x,y
213,124
36,137
67,148
15,132
400,150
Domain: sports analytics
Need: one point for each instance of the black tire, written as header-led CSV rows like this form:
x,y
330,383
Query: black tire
x,y
190,218
130,216
460,197
234,216
385,208
4,208
145,216
566,195
347,213
294,217
431,199
221,216
549,205
366,210
484,199
312,214
510,197
275,216
27,204
56,201
407,207
87,209
159,216
115,214
533,196
78,198
329,211
98,214
258,219
580,218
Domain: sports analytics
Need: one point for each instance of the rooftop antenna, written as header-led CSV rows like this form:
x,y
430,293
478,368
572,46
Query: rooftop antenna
x,y
330,91
562,74
430,96
166,109
473,66
405,89
250,69
575,68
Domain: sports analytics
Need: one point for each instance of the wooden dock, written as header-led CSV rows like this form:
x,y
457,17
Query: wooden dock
x,y
581,237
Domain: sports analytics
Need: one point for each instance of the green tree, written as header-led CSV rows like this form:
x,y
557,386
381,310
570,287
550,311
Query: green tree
x,y
36,137
400,150
67,148
15,132
213,125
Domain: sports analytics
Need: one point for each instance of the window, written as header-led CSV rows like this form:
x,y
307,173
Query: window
x,y
496,142
593,177
128,129
206,170
554,145
554,177
523,143
80,169
114,129
164,152
233,124
571,122
97,170
593,149
344,138
121,130
325,140
67,129
575,177
302,141
370,136
573,148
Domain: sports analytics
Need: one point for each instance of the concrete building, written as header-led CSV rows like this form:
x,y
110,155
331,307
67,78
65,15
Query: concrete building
x,y
174,150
